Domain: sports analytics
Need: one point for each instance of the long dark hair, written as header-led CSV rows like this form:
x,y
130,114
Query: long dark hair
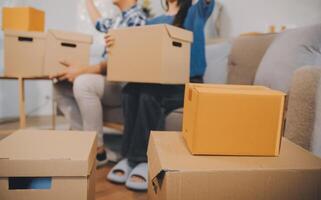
x,y
180,17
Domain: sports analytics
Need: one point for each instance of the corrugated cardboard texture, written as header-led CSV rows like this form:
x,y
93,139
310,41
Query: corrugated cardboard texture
x,y
64,46
40,54
24,53
23,19
5,133
233,120
30,153
92,184
178,175
150,54
65,188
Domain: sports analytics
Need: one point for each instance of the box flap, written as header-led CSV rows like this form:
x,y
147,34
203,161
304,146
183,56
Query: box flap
x,y
22,7
190,114
47,153
179,33
236,89
172,155
228,86
11,33
69,36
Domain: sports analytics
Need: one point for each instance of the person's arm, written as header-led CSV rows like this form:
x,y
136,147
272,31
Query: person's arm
x,y
100,68
72,72
93,11
205,7
136,20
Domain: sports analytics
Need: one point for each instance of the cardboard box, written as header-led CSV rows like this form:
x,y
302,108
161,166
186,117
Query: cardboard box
x,y
24,53
34,54
23,19
176,174
233,120
66,160
5,133
150,54
71,47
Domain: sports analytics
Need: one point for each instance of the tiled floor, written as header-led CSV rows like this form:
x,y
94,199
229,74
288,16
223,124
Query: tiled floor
x,y
109,191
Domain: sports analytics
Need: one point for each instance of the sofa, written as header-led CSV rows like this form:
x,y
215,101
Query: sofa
x,y
239,64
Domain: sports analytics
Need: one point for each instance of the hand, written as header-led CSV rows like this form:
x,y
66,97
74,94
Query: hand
x,y
70,73
109,40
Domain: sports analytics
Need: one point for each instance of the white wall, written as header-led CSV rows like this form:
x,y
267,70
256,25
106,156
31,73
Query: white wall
x,y
238,16
68,15
241,16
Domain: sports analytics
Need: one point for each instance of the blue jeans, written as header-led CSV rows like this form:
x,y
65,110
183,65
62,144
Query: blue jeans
x,y
145,107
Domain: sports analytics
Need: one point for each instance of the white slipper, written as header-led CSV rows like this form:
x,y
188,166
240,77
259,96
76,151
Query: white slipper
x,y
141,170
122,166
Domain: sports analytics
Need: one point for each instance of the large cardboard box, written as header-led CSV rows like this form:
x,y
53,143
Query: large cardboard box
x,y
5,133
66,46
24,53
34,54
176,174
150,54
233,120
23,19
66,160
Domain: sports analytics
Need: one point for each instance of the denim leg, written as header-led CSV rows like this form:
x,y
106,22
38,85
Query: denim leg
x,y
149,116
130,99
145,109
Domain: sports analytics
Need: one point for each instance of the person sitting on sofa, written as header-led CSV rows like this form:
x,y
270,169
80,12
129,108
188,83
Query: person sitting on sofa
x,y
146,105
82,90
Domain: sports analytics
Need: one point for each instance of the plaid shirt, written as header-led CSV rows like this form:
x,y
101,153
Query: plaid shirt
x,y
132,17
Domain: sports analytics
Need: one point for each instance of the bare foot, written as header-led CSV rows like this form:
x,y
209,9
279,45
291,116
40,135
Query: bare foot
x,y
119,173
137,179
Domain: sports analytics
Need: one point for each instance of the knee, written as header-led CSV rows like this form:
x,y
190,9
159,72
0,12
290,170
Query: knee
x,y
147,99
131,89
84,84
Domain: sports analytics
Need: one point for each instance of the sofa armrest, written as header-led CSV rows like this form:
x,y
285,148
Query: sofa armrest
x,y
304,98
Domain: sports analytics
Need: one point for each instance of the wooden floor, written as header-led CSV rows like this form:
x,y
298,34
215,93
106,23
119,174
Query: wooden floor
x,y
108,191
104,189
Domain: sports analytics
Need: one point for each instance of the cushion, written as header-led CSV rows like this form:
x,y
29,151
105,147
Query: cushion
x,y
174,121
217,59
212,28
291,50
245,57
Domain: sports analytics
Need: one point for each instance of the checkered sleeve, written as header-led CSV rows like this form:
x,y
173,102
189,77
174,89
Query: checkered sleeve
x,y
104,24
136,20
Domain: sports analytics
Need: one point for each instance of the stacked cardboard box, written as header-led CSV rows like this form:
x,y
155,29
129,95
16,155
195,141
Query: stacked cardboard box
x,y
236,133
23,19
174,173
30,52
233,120
37,165
150,54
35,54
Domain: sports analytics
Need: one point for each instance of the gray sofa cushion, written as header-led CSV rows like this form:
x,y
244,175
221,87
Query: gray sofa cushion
x,y
174,120
289,51
245,57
